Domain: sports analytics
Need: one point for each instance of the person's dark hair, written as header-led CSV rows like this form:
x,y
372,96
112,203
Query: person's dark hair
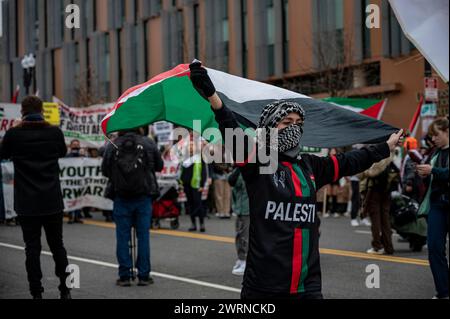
x,y
440,124
32,105
74,140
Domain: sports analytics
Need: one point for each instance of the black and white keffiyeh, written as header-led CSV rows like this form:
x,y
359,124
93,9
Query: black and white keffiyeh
x,y
287,138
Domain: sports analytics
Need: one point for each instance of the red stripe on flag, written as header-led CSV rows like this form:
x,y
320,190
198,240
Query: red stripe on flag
x,y
295,180
415,121
250,157
297,260
376,110
336,168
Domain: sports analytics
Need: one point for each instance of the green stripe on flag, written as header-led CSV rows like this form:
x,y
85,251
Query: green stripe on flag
x,y
306,191
173,100
139,110
305,256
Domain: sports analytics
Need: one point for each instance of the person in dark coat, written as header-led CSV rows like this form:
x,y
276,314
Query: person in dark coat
x,y
35,146
193,179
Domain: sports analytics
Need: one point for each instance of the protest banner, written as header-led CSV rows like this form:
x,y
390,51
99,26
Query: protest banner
x,y
82,184
164,132
8,189
51,113
9,114
83,124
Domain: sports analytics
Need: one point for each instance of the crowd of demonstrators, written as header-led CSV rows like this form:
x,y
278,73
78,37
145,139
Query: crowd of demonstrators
x,y
35,146
130,164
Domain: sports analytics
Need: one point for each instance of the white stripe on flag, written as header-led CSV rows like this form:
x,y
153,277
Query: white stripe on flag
x,y
243,90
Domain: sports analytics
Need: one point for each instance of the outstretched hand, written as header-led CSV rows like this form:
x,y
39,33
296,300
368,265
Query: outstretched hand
x,y
395,140
203,84
201,80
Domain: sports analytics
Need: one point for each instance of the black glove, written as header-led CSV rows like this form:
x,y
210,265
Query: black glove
x,y
201,81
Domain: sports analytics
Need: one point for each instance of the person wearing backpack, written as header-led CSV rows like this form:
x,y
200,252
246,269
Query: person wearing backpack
x,y
130,164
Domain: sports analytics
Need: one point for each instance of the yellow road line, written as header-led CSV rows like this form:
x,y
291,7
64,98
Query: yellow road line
x,y
230,240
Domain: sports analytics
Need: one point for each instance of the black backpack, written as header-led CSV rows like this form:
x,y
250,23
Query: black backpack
x,y
130,169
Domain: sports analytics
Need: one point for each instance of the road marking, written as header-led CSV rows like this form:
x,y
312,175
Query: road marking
x,y
367,232
401,260
156,274
231,240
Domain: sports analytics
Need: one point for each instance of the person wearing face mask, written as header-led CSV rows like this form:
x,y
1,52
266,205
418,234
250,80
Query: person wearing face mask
x,y
283,256
436,204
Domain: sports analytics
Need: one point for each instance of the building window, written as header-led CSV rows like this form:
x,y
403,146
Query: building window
x,y
136,11
94,15
36,27
197,31
107,59
155,7
62,19
285,19
271,37
244,23
123,11
329,45
225,35
88,65
145,46
180,35
119,48
77,61
45,25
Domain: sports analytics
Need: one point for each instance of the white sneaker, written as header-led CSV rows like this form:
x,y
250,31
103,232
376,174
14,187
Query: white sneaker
x,y
326,215
437,298
240,270
354,223
347,214
336,215
238,264
373,251
366,222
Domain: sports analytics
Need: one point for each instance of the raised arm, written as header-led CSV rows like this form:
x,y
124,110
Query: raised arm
x,y
330,169
224,116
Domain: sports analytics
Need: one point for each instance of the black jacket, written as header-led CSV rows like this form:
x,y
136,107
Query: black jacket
x,y
283,255
187,174
34,148
155,164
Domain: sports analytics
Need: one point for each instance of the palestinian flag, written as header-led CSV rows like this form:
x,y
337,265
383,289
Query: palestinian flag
x,y
368,107
171,97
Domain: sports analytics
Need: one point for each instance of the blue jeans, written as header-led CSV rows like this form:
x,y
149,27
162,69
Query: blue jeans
x,y
437,240
126,214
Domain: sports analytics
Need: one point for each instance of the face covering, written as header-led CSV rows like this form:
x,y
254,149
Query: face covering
x,y
288,142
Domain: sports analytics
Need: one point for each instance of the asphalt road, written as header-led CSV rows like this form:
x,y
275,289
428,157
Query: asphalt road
x,y
197,266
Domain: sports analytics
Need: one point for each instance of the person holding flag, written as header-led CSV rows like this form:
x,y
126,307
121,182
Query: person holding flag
x,y
283,259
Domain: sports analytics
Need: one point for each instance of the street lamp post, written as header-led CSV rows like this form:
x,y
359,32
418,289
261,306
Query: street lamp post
x,y
28,65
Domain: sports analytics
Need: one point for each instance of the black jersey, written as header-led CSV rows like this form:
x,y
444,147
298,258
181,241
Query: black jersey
x,y
283,254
